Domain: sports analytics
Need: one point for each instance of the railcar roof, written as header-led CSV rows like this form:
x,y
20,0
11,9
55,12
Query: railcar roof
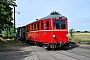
x,y
49,17
52,16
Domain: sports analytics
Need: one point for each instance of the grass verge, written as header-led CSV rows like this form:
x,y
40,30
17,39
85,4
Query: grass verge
x,y
79,40
10,43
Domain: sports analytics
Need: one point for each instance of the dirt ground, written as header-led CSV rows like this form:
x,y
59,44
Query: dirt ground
x,y
28,52
14,52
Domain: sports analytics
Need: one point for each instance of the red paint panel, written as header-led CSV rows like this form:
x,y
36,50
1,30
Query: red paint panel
x,y
61,36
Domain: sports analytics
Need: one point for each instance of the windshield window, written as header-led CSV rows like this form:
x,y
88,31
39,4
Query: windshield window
x,y
59,24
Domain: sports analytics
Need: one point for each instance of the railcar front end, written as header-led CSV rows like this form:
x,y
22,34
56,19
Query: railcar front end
x,y
57,33
60,32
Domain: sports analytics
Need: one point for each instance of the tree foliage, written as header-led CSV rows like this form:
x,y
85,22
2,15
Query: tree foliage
x,y
54,13
6,13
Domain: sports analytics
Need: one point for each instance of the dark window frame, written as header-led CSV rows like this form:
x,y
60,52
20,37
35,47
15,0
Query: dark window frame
x,y
47,25
42,25
59,24
34,27
37,25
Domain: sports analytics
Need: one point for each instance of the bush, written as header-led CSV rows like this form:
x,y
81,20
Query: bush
x,y
71,32
86,31
78,31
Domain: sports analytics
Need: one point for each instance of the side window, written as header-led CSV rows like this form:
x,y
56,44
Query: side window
x,y
28,28
42,25
38,26
34,27
47,25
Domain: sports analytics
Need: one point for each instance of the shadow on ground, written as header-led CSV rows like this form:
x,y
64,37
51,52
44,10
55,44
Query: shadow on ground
x,y
15,53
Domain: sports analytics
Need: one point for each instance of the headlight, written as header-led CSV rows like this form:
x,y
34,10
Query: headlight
x,y
66,35
53,36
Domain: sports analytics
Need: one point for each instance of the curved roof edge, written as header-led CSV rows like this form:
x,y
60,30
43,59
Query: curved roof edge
x,y
52,16
49,17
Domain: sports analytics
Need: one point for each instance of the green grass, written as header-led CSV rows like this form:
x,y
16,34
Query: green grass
x,y
80,37
82,41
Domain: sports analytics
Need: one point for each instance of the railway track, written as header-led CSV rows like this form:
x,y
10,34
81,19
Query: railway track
x,y
79,54
74,54
68,56
71,55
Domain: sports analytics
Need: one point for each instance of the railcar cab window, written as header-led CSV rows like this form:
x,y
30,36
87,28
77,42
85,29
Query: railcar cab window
x,y
47,25
59,24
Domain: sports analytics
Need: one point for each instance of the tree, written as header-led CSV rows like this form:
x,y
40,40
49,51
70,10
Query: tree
x,y
6,13
54,13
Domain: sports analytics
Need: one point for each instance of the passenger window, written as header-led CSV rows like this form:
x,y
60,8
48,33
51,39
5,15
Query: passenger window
x,y
47,25
38,26
42,25
34,27
28,28
31,27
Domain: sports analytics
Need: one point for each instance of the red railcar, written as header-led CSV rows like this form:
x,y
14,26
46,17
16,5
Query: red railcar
x,y
50,31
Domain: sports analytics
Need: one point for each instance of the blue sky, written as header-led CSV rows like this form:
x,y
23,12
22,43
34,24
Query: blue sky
x,y
77,11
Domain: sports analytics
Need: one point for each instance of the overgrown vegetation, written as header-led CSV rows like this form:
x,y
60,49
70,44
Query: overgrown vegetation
x,y
8,33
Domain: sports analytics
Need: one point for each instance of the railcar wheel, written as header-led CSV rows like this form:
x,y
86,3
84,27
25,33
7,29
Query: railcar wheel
x,y
27,42
53,47
40,44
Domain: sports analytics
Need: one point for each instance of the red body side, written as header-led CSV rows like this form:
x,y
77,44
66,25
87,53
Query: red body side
x,y
46,36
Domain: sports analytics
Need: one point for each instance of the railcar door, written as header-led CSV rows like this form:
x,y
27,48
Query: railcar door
x,y
48,32
41,32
